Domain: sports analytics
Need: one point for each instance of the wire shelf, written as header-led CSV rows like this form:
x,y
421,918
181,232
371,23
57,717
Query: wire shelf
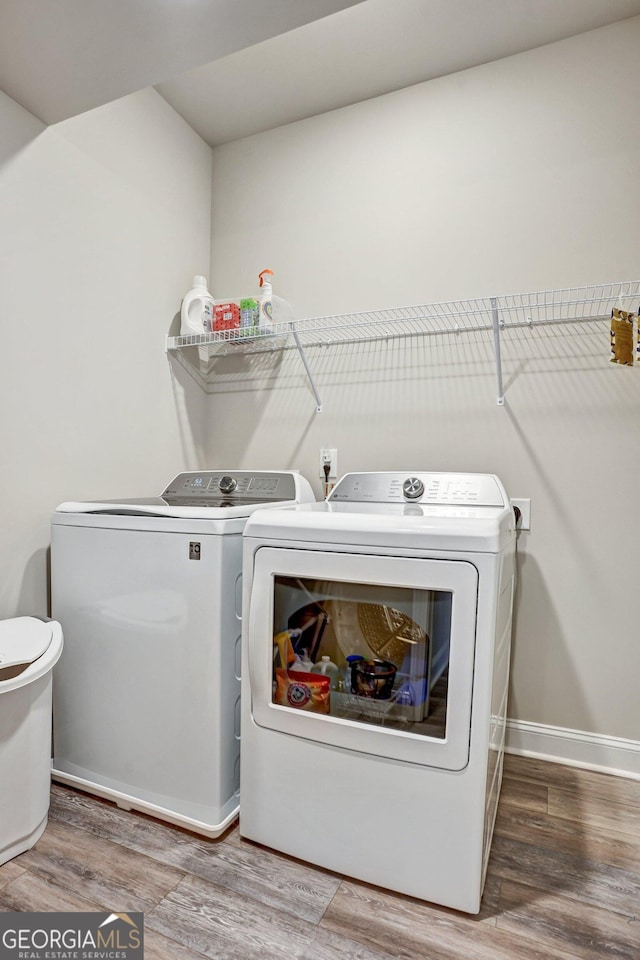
x,y
570,304
566,305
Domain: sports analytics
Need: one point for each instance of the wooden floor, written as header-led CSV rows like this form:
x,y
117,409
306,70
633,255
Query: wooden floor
x,y
563,883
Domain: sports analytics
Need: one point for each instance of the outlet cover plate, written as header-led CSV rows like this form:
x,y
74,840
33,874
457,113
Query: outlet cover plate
x,y
329,454
524,507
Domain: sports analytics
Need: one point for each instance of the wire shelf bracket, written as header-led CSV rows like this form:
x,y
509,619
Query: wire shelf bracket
x,y
305,364
495,321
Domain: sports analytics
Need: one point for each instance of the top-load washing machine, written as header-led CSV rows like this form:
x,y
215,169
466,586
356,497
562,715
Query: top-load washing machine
x,y
146,694
376,644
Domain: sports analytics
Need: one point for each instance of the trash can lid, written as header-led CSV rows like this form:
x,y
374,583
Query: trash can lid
x,y
23,640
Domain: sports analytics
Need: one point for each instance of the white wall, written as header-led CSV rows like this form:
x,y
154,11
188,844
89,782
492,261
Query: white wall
x,y
103,221
515,176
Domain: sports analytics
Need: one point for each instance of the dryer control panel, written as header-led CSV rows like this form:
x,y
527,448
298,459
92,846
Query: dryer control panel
x,y
477,489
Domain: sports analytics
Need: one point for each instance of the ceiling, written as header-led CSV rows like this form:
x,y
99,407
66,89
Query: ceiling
x,y
59,58
236,67
367,50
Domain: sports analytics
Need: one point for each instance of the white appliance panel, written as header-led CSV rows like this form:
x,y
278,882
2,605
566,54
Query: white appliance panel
x,y
417,830
144,701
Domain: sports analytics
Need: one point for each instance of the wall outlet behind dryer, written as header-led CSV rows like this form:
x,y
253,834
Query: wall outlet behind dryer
x,y
524,506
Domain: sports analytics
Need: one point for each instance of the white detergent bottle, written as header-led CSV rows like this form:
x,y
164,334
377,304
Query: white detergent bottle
x,y
196,314
302,663
265,314
273,311
329,669
305,662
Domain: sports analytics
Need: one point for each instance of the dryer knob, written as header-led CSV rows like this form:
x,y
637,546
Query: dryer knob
x,y
227,484
413,488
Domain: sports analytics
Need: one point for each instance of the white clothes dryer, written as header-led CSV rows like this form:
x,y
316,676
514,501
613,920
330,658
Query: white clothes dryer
x,y
146,695
382,761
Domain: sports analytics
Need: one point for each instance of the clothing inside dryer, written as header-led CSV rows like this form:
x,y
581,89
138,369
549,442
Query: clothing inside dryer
x,y
387,647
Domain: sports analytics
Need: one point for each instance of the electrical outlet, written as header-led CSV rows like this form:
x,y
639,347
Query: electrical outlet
x,y
329,455
524,506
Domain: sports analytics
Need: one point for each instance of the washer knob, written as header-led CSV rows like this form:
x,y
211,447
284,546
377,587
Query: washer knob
x,y
227,484
413,488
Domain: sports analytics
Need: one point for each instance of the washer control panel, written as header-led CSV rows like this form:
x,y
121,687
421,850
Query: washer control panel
x,y
206,487
477,489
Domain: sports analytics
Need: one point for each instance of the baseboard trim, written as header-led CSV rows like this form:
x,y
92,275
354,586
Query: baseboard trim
x,y
575,748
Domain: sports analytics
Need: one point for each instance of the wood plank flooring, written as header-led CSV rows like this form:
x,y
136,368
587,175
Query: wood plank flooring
x,y
563,883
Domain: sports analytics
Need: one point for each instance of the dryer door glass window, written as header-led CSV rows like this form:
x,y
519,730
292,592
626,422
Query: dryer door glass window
x,y
359,652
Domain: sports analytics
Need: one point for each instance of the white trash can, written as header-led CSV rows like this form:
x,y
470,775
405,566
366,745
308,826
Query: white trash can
x,y
29,648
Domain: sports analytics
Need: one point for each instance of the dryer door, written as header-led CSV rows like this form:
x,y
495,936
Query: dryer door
x,y
367,653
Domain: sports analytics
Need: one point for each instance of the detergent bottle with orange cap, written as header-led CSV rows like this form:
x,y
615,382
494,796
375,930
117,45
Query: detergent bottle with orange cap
x,y
273,310
265,310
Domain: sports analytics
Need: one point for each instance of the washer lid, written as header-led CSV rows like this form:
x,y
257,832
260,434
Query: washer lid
x,y
23,640
207,495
